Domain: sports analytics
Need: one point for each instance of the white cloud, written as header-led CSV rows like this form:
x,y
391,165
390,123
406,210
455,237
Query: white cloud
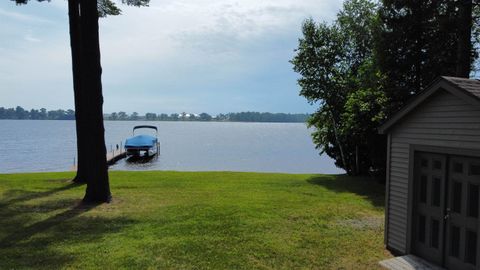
x,y
168,27
30,38
165,54
25,18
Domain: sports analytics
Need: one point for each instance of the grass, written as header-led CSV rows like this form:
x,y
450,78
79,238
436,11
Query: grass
x,y
192,220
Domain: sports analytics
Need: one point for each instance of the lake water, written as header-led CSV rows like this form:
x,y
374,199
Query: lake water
x,y
43,145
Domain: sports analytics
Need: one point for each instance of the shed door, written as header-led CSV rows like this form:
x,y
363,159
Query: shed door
x,y
446,204
463,213
429,204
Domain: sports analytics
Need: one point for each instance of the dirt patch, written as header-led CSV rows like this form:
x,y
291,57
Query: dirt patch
x,y
364,223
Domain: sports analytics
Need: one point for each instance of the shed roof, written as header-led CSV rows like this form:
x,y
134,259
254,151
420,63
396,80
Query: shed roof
x,y
466,89
471,86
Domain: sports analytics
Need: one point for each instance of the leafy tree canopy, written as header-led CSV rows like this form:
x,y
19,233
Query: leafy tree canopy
x,y
420,40
364,66
338,71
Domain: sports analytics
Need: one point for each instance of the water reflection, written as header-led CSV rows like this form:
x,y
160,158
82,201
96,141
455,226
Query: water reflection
x,y
141,159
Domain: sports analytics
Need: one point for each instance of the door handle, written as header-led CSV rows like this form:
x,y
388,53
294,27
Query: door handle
x,y
447,215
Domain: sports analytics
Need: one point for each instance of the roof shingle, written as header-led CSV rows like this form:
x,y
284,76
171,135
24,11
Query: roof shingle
x,y
470,85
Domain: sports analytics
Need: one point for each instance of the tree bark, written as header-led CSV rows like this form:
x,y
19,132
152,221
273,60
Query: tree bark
x,y
344,163
464,31
87,71
357,161
75,41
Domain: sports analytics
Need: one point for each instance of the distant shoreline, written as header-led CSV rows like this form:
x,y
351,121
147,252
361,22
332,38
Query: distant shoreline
x,y
144,120
20,113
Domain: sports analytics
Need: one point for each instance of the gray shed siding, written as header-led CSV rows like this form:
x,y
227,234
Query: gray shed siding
x,y
443,120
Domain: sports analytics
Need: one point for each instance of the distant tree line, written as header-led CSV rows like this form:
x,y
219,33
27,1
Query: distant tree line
x,y
228,117
266,117
34,114
43,114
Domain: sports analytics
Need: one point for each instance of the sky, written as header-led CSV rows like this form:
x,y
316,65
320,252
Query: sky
x,y
213,56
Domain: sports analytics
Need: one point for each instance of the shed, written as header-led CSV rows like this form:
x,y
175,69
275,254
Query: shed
x,y
433,175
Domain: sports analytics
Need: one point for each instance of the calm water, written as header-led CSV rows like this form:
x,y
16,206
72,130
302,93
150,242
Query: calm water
x,y
33,146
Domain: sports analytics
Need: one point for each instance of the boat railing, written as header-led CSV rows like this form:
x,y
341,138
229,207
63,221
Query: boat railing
x,y
145,126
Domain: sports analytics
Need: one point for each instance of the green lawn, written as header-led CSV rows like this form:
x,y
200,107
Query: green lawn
x,y
192,220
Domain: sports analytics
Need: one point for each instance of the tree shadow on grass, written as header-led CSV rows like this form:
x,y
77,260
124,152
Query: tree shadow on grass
x,y
10,196
363,186
17,205
46,234
39,227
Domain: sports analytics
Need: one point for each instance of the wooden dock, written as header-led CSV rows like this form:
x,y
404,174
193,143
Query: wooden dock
x,y
112,158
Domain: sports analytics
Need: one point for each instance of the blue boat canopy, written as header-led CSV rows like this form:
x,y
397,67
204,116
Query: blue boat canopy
x,y
141,141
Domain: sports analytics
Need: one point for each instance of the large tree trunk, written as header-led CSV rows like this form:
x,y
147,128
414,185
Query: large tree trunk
x,y
87,71
464,45
75,41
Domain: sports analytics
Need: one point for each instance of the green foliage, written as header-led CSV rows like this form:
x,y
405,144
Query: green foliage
x,y
364,113
263,117
192,220
358,22
42,114
364,107
417,43
137,3
122,116
319,61
231,117
107,7
205,117
33,114
113,116
338,71
364,66
134,116
151,116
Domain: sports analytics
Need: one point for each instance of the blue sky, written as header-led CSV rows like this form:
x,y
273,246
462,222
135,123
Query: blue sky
x,y
213,56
